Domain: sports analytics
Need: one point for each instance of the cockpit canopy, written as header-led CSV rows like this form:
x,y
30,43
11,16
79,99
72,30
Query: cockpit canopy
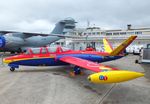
x,y
44,50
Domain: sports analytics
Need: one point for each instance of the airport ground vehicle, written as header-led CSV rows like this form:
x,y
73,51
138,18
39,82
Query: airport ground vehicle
x,y
144,55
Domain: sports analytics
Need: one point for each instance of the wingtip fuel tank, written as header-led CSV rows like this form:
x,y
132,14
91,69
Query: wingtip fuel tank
x,y
113,76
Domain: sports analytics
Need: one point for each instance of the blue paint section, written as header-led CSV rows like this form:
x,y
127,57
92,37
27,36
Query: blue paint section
x,y
110,58
57,62
89,57
2,41
92,57
13,65
40,62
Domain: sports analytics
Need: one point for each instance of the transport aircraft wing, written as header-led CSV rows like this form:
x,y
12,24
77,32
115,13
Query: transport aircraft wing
x,y
28,34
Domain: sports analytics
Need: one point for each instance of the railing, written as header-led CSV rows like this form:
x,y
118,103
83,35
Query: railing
x,y
97,37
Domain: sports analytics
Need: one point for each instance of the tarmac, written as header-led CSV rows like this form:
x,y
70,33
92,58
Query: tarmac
x,y
54,85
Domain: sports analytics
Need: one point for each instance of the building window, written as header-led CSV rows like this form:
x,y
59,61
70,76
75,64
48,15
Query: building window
x,y
108,33
93,33
98,33
103,33
122,33
89,33
131,33
138,32
116,33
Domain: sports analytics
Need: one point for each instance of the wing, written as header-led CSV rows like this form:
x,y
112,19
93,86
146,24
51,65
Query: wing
x,y
5,32
28,34
95,67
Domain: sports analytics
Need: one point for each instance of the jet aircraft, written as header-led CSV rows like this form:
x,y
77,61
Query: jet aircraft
x,y
20,41
80,59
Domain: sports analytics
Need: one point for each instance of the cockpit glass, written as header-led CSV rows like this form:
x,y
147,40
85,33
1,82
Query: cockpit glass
x,y
36,50
52,49
44,50
65,49
27,52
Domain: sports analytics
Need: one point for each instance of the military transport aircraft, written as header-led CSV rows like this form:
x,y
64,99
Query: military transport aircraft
x,y
48,56
19,41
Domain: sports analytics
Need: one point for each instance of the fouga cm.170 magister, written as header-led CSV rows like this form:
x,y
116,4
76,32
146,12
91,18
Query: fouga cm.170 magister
x,y
90,60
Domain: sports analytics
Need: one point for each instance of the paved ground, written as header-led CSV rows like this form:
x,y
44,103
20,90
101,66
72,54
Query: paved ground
x,y
53,85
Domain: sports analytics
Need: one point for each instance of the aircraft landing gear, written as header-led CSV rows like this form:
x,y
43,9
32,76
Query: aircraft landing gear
x,y
12,69
12,52
77,71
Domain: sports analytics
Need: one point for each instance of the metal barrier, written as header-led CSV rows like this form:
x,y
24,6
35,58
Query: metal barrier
x,y
146,54
1,60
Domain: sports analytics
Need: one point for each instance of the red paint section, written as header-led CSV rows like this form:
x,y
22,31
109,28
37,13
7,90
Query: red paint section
x,y
54,54
86,64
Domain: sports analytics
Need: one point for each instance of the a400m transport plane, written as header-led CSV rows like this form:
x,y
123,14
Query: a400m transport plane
x,y
19,41
80,59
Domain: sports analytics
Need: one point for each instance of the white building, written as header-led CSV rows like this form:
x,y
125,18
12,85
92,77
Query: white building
x,y
94,35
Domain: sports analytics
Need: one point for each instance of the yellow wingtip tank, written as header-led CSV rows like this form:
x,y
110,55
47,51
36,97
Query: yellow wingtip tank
x,y
113,76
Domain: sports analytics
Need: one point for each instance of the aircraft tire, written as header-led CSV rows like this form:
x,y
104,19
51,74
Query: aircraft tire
x,y
12,52
136,61
12,69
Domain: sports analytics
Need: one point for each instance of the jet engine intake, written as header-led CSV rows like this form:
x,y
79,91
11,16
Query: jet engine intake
x,y
2,41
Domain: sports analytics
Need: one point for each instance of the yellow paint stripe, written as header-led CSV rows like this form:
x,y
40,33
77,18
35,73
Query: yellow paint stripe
x,y
14,60
107,46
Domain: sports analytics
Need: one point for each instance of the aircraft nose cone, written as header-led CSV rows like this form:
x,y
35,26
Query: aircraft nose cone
x,y
89,78
7,61
2,41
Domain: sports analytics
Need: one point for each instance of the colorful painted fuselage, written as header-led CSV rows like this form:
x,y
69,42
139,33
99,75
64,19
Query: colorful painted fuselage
x,y
52,58
48,56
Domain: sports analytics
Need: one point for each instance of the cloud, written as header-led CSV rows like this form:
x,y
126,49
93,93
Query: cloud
x,y
41,15
33,26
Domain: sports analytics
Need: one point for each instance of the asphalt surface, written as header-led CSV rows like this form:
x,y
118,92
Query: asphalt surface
x,y
53,85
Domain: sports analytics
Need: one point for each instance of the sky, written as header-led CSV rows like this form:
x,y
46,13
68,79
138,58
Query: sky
x,y
41,15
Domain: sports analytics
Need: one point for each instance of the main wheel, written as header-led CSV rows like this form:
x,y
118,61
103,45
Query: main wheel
x,y
77,70
12,69
136,61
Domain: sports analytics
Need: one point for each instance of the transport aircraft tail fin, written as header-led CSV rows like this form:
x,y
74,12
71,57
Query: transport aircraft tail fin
x,y
122,46
107,46
68,23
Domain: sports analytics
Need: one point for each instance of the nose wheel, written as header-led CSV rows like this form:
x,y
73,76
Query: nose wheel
x,y
12,69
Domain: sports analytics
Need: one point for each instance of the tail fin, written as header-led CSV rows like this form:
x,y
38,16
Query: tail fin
x,y
107,46
59,28
123,46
